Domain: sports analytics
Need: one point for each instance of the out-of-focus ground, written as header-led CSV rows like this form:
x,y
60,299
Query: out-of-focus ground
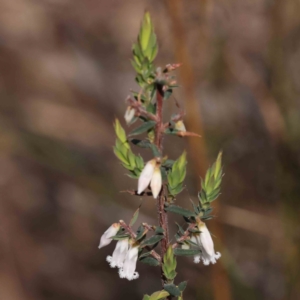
x,y
64,74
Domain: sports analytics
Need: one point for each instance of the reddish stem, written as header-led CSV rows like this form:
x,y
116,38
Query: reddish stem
x,y
162,215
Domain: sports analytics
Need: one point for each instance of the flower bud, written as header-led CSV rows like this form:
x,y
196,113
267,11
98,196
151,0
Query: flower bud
x,y
146,175
129,114
106,238
156,182
179,125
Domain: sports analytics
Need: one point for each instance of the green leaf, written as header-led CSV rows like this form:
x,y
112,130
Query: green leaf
x,y
153,240
180,229
155,151
186,252
120,237
121,157
180,211
140,232
134,217
120,132
168,94
159,295
159,230
145,255
172,289
151,261
182,285
146,297
143,128
141,143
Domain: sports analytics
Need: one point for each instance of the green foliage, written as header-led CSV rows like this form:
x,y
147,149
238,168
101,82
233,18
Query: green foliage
x,y
134,217
172,289
160,295
152,240
143,128
186,252
176,175
169,264
211,186
144,52
130,161
180,211
151,261
182,285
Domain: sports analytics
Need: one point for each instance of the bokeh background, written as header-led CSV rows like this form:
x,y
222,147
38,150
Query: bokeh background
x,y
65,73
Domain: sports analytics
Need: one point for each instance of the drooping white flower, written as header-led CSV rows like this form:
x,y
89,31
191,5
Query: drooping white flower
x,y
146,175
206,245
156,182
129,114
129,266
108,234
119,254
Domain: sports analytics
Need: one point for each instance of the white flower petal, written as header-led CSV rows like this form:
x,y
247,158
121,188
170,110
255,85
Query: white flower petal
x,y
206,245
146,175
130,263
156,182
108,234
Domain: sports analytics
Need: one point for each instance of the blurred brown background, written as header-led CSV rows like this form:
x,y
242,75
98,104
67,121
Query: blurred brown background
x,y
65,72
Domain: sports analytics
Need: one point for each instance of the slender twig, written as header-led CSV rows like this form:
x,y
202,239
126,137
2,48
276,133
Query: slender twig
x,y
139,110
133,236
185,236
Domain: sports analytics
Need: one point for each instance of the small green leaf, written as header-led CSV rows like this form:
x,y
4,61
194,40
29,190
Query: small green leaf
x,y
152,240
140,232
182,285
146,297
180,211
145,255
120,237
143,128
159,295
141,143
186,252
172,289
159,230
134,217
120,132
151,261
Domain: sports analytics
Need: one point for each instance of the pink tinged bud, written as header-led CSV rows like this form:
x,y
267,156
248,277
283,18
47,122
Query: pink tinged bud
x,y
129,266
206,244
129,114
106,238
156,182
119,254
146,175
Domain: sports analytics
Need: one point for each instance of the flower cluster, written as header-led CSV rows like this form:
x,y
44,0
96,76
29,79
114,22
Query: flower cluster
x,y
125,254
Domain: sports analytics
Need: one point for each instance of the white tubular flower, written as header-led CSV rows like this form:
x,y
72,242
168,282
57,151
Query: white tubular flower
x,y
129,114
146,175
129,266
108,234
119,254
156,182
206,244
179,125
